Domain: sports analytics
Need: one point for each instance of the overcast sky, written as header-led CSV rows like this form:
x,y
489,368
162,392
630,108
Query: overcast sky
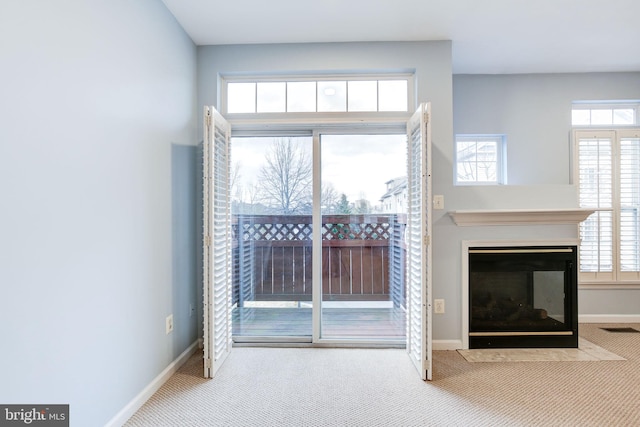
x,y
354,164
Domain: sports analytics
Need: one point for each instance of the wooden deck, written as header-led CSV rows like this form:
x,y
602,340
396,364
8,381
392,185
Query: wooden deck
x,y
341,323
363,277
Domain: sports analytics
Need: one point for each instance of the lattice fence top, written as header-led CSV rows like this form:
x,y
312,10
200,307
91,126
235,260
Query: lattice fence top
x,y
265,230
276,231
351,231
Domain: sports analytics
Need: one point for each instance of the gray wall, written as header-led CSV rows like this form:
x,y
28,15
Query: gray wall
x,y
534,111
97,177
431,62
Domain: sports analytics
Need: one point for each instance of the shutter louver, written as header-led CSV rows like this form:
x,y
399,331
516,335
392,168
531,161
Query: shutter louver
x,y
595,177
414,231
608,174
418,235
629,204
596,169
217,262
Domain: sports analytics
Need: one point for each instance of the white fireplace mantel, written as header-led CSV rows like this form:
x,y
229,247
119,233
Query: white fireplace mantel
x,y
467,218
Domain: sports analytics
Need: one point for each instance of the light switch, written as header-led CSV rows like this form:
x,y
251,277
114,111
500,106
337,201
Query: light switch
x,y
438,201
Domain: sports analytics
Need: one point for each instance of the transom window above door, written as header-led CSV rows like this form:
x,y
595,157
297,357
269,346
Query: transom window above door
x,y
327,94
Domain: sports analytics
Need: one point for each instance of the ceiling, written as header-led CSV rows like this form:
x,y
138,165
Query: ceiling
x,y
488,36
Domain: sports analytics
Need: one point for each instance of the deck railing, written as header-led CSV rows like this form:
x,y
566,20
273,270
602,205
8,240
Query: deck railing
x,y
362,258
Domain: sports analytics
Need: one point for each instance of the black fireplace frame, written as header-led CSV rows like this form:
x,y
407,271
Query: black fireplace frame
x,y
567,336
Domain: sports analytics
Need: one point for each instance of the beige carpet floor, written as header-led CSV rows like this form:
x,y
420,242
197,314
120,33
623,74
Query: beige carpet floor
x,y
374,387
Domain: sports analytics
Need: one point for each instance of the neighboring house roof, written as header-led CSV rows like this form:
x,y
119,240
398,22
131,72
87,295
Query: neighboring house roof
x,y
395,186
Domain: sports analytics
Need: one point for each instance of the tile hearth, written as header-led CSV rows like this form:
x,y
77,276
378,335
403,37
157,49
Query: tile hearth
x,y
586,352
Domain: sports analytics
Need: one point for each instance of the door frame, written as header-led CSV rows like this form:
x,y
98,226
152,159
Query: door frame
x,y
212,363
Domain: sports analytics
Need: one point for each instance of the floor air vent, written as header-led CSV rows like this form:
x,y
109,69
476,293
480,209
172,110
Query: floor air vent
x,y
627,330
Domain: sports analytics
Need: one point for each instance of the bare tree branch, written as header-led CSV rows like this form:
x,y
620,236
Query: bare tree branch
x,y
285,179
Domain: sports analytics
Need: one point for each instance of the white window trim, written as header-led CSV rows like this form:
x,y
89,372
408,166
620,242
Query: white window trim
x,y
278,119
599,105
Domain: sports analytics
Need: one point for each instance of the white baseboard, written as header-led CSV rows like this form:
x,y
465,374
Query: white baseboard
x,y
609,318
447,344
137,402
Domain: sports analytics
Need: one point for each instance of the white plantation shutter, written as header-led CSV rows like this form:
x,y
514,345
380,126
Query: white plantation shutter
x,y
596,248
596,172
608,175
629,204
595,180
418,238
217,241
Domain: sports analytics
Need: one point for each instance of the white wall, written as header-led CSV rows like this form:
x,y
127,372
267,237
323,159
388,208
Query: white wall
x,y
97,163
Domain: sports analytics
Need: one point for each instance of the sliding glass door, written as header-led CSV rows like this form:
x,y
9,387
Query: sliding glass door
x,y
271,194
363,214
362,199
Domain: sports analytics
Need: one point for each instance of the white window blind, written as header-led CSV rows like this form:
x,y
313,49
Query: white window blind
x,y
418,242
608,176
629,204
217,265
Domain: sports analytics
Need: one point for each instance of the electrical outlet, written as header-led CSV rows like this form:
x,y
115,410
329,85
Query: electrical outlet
x,y
169,323
438,306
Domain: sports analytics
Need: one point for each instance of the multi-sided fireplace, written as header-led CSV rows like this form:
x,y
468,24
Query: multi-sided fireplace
x,y
523,296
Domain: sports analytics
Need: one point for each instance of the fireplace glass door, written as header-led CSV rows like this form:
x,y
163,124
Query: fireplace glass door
x,y
522,297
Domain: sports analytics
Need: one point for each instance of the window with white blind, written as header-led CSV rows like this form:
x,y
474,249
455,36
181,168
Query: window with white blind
x,y
608,177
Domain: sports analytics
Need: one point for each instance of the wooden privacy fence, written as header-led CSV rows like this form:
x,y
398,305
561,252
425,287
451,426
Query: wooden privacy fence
x,y
362,258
